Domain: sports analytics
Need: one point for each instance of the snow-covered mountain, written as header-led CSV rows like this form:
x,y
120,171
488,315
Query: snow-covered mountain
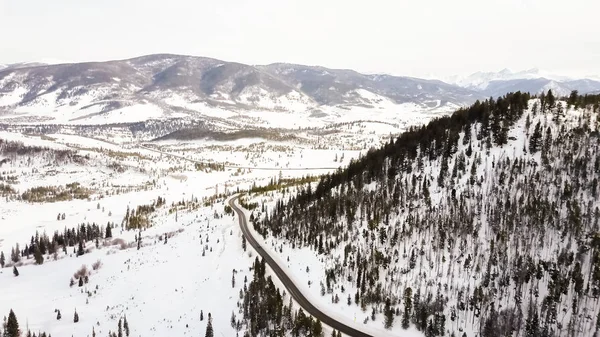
x,y
165,86
532,80
472,225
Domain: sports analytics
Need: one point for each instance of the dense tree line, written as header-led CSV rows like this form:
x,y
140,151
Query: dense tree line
x,y
264,313
459,228
76,238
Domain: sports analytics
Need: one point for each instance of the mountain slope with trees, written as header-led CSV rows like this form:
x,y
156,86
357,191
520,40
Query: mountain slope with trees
x,y
483,223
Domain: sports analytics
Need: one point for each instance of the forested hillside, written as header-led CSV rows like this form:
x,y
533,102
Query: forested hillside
x,y
483,223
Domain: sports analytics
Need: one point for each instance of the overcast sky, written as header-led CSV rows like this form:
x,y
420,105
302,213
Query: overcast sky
x,y
402,37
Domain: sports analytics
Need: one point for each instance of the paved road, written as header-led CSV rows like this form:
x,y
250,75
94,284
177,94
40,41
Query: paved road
x,y
287,282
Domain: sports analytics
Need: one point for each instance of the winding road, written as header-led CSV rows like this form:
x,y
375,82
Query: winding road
x,y
287,282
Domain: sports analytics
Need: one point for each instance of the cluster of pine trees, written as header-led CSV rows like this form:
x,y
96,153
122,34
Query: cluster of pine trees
x,y
75,237
264,312
10,328
138,218
455,228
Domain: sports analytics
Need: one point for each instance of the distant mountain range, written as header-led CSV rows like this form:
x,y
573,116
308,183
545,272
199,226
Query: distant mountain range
x,y
533,80
174,86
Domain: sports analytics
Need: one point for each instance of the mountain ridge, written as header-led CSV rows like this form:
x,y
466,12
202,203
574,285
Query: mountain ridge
x,y
172,86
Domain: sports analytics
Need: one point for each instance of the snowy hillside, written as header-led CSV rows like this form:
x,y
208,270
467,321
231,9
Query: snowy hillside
x,y
61,192
481,224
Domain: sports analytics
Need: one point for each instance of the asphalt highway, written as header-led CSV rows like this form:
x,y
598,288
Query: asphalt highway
x,y
287,282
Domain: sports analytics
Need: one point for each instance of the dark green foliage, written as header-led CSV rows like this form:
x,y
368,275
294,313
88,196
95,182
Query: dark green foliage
x,y
2,260
209,328
407,308
12,326
15,271
126,326
37,255
535,140
389,314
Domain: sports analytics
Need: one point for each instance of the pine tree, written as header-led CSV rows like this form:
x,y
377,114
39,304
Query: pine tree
x,y
2,260
407,308
80,250
551,99
243,242
58,315
535,140
120,328
15,254
201,315
126,326
12,326
209,328
389,314
76,317
37,255
108,232
15,271
317,328
81,281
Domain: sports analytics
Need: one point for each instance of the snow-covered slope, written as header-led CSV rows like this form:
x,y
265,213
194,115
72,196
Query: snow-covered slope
x,y
484,223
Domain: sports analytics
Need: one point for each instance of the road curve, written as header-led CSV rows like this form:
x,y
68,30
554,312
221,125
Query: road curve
x,y
287,282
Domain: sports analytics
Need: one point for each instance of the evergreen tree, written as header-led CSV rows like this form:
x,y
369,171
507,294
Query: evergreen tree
x,y
389,314
15,271
317,329
12,326
75,317
126,326
2,260
407,308
120,328
535,140
243,242
551,100
58,315
209,328
80,250
81,281
37,255
201,315
108,232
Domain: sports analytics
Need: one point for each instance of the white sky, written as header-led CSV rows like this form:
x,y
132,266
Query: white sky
x,y
402,37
